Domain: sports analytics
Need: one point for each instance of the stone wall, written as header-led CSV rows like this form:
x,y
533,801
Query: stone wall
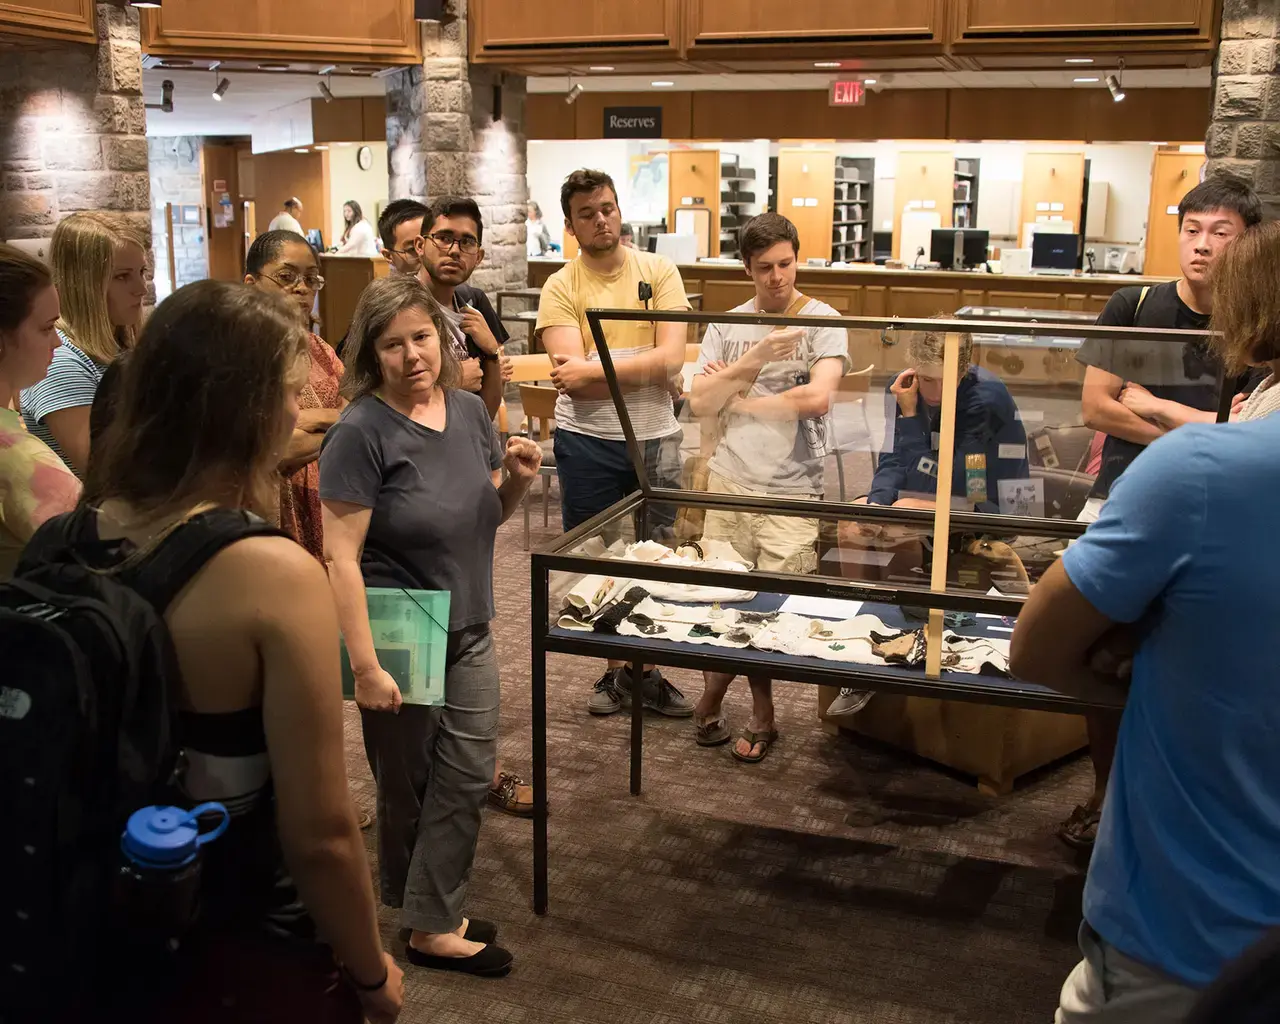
x,y
73,130
1244,130
442,139
176,178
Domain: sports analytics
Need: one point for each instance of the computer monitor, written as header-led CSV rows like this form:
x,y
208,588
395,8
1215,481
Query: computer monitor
x,y
316,239
1055,251
881,246
955,248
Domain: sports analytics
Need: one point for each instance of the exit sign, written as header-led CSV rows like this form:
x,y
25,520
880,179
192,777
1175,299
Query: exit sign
x,y
847,94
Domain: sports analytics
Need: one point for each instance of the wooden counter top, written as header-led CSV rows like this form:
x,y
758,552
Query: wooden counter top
x,y
865,289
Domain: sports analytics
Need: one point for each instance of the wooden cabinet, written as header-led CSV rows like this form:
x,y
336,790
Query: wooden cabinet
x,y
549,31
716,26
1019,22
72,20
376,31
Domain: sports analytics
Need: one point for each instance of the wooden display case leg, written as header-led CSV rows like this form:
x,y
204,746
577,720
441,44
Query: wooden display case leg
x,y
539,698
637,724
989,786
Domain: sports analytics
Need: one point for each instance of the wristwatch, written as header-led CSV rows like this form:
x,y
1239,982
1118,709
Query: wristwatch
x,y
489,357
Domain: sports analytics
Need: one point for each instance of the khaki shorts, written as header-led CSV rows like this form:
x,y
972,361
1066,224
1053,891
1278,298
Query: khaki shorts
x,y
774,543
1107,987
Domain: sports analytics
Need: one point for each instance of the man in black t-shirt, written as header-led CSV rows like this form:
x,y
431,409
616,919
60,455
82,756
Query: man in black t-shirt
x,y
1137,391
450,248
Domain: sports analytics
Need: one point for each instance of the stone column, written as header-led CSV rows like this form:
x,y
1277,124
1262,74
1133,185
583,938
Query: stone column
x,y
443,139
73,130
175,178
1244,128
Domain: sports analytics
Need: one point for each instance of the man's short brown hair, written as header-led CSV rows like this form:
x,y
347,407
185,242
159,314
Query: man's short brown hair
x,y
580,181
1246,301
763,232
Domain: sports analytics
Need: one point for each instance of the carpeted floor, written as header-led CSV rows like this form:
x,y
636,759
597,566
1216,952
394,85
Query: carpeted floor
x,y
839,882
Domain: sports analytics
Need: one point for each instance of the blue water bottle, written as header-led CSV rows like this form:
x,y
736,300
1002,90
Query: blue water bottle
x,y
158,885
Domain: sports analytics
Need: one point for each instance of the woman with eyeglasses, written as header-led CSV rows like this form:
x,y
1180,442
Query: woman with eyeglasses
x,y
282,261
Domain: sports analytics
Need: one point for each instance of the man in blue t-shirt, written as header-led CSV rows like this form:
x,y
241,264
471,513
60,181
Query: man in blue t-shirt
x,y
1186,870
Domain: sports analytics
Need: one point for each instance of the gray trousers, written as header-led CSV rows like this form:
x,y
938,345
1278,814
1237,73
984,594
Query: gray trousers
x,y
433,766
1107,987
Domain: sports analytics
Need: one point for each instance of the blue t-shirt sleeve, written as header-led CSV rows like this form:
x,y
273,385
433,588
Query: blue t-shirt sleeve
x,y
1149,530
351,463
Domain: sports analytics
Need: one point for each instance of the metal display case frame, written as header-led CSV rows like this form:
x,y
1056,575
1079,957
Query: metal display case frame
x,y
562,556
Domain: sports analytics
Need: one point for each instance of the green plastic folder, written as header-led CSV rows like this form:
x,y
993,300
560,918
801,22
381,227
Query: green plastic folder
x,y
410,634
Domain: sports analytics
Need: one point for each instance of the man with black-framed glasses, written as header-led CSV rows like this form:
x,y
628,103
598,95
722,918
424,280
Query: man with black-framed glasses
x,y
449,250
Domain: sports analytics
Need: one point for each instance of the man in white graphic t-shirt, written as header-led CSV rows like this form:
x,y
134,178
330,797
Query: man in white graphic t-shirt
x,y
767,394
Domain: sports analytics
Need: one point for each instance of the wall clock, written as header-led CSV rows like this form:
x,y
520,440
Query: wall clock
x,y
364,157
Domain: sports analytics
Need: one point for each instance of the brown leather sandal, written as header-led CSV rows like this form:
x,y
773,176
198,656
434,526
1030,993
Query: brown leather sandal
x,y
1080,831
768,738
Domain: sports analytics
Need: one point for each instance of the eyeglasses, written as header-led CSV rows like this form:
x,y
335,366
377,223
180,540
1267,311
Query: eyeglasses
x,y
288,279
446,240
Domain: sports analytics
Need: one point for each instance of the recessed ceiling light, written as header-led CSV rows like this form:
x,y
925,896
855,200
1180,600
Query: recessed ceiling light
x,y
661,84
175,63
868,81
1079,60
365,69
320,149
1094,79
302,151
344,143
273,66
601,67
826,63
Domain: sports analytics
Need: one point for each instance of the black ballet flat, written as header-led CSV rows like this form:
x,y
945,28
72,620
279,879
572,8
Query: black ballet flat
x,y
490,962
483,932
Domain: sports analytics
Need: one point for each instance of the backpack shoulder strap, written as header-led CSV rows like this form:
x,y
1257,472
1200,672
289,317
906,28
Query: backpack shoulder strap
x,y
1137,310
53,540
182,554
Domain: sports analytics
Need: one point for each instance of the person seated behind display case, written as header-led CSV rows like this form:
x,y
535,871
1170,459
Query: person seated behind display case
x,y
987,425
768,392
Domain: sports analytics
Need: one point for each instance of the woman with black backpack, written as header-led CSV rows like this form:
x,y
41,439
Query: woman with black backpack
x,y
286,928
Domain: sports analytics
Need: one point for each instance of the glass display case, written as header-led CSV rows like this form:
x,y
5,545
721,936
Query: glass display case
x,y
848,502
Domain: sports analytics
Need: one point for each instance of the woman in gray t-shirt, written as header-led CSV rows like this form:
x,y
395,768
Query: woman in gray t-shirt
x,y
412,496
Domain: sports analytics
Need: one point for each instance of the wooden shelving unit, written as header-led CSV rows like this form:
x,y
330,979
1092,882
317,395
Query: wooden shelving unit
x,y
964,203
737,195
851,209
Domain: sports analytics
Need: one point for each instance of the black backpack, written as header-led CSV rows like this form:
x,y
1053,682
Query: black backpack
x,y
88,734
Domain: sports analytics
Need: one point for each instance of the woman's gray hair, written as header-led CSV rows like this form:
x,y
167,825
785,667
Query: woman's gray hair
x,y
381,303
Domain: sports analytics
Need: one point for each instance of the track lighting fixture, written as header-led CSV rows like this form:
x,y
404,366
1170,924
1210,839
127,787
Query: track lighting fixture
x,y
325,91
221,88
1114,85
574,92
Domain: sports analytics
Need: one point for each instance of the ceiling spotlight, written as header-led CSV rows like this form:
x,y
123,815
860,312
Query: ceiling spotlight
x,y
1113,87
574,92
325,91
221,89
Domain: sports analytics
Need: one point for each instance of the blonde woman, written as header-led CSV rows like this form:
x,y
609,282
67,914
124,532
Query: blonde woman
x,y
35,485
100,270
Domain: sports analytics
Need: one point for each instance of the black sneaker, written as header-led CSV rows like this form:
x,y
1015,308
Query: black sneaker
x,y
606,697
665,699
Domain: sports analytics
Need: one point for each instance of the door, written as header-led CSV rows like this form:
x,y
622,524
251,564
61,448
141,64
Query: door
x,y
1173,175
693,183
806,197
1052,190
924,185
224,212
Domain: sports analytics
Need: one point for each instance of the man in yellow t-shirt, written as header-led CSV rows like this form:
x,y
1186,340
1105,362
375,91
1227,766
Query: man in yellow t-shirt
x,y
592,462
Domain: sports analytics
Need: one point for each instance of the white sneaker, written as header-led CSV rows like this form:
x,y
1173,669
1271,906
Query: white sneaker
x,y
849,702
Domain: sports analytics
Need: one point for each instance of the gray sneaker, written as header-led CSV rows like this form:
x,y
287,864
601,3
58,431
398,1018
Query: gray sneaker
x,y
665,699
849,702
606,696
